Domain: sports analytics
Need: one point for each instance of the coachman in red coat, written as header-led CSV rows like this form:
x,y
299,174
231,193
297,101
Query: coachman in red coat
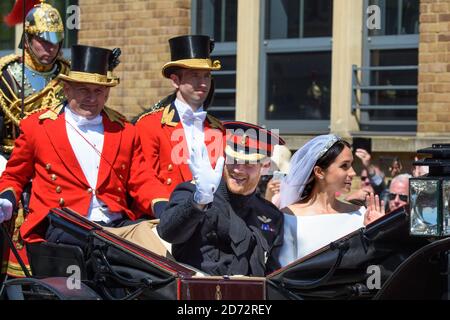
x,y
171,127
63,172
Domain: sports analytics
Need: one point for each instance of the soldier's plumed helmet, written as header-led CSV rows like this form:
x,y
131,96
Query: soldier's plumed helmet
x,y
44,21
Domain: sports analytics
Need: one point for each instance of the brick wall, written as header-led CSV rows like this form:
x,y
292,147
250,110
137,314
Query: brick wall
x,y
434,68
141,29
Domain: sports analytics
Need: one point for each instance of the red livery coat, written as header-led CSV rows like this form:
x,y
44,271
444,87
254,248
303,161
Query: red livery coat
x,y
164,143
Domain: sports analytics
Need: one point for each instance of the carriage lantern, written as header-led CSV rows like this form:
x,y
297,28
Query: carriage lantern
x,y
429,195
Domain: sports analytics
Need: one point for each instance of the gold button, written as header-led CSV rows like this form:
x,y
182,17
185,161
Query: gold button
x,y
119,189
58,189
123,167
169,181
89,190
118,199
170,167
120,176
48,166
61,202
54,177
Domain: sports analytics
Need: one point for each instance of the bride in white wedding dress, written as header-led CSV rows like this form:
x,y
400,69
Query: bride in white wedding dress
x,y
313,216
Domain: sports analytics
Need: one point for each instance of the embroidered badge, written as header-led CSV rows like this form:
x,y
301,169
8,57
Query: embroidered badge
x,y
264,219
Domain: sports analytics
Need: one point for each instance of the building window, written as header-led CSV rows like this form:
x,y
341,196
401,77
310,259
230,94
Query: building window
x,y
7,34
388,88
296,65
289,19
393,97
397,17
298,86
218,19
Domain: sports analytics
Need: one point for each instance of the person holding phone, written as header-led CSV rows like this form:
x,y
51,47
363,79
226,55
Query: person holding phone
x,y
375,174
280,163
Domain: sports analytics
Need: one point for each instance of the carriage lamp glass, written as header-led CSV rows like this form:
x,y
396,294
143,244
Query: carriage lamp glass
x,y
424,204
429,195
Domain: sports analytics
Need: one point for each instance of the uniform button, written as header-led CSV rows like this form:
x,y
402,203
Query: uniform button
x,y
123,167
120,176
169,181
170,167
61,202
48,166
54,177
58,189
118,199
119,189
89,190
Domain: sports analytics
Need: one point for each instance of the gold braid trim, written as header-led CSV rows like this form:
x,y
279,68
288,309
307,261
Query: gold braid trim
x,y
14,269
151,111
115,116
215,123
4,61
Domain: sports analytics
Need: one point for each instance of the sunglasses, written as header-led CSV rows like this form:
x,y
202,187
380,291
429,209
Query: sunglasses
x,y
364,177
403,197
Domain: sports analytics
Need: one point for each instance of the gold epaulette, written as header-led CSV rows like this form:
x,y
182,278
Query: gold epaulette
x,y
52,112
157,107
35,111
4,61
215,123
115,116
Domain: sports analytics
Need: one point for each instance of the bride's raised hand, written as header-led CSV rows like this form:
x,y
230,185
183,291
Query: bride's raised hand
x,y
375,209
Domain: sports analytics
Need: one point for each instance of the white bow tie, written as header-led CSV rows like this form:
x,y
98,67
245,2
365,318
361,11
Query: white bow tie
x,y
82,121
190,116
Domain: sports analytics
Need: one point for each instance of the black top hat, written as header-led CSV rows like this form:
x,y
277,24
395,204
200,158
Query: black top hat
x,y
190,52
249,142
90,65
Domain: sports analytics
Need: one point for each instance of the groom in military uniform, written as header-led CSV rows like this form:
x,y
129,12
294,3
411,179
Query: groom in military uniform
x,y
217,223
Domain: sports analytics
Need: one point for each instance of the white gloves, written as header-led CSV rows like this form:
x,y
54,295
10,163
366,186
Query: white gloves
x,y
206,178
6,209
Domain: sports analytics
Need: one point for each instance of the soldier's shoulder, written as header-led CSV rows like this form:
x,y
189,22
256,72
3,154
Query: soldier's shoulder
x,y
8,59
63,61
65,65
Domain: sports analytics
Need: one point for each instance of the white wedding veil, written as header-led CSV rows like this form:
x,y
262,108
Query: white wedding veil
x,y
301,167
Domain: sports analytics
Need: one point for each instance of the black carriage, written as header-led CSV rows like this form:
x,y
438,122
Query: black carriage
x,y
381,261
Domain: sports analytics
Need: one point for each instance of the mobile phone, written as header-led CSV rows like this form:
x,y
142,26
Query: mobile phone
x,y
362,143
278,175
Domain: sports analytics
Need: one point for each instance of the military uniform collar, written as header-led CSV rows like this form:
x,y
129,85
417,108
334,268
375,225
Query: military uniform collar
x,y
170,115
237,201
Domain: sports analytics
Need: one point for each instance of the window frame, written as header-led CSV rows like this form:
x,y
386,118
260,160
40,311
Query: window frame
x,y
383,42
226,48
293,45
